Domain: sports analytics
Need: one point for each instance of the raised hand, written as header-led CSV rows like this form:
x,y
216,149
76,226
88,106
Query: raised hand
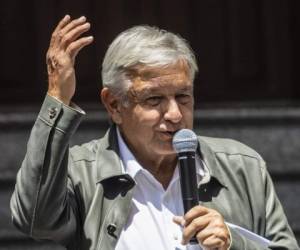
x,y
209,227
64,47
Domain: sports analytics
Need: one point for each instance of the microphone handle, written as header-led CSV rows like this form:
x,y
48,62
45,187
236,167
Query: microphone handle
x,y
188,183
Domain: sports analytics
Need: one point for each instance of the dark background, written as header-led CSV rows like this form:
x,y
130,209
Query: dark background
x,y
247,50
247,88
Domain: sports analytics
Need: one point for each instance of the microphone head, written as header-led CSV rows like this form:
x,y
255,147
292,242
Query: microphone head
x,y
185,140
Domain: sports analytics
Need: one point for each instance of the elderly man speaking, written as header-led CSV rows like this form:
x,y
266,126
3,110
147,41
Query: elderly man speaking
x,y
123,191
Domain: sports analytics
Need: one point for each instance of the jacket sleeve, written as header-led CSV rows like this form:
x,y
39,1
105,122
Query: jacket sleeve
x,y
43,204
277,228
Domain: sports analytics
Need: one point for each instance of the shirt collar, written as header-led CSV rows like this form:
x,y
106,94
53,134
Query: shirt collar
x,y
130,164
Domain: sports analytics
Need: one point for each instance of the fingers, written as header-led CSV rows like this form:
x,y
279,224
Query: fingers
x,y
62,23
213,242
207,225
179,220
65,41
212,237
74,33
74,23
77,45
194,213
67,31
194,227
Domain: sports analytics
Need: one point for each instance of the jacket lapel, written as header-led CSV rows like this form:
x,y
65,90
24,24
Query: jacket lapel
x,y
209,192
117,190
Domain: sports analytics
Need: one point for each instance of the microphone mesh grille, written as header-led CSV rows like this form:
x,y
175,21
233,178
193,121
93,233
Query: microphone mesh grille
x,y
185,140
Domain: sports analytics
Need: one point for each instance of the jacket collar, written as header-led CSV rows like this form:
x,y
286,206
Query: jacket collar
x,y
109,161
209,158
108,156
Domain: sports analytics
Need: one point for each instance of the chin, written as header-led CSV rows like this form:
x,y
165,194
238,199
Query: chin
x,y
164,149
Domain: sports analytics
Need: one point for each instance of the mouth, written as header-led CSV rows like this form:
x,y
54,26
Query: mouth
x,y
169,134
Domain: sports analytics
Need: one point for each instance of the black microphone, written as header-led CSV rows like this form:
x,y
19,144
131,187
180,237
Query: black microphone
x,y
185,144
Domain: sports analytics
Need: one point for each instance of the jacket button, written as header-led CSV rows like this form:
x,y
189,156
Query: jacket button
x,y
111,229
52,112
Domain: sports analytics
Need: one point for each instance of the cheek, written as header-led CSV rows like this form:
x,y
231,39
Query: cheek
x,y
147,116
188,115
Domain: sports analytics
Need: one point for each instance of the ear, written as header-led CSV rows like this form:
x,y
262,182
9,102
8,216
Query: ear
x,y
112,105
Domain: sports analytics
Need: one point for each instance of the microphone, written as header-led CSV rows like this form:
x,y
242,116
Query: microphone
x,y
185,144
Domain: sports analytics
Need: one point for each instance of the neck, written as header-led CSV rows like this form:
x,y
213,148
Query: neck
x,y
160,166
162,169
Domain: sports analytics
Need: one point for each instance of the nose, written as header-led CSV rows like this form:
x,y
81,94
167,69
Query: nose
x,y
173,113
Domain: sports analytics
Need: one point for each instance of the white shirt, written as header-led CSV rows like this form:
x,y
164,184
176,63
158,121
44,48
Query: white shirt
x,y
150,224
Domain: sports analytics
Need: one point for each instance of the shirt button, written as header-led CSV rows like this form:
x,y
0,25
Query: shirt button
x,y
52,112
175,236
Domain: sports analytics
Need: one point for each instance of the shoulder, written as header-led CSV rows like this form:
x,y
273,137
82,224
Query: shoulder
x,y
232,161
85,152
82,168
229,147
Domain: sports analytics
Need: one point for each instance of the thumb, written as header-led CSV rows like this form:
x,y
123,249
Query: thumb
x,y
179,220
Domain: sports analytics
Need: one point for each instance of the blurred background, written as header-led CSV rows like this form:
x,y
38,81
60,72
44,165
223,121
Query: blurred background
x,y
247,87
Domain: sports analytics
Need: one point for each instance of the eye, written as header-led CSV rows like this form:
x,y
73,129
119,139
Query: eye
x,y
153,100
183,98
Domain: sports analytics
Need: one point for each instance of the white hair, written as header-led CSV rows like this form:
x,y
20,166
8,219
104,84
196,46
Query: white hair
x,y
143,45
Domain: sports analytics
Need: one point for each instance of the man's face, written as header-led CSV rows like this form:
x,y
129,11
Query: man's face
x,y
160,103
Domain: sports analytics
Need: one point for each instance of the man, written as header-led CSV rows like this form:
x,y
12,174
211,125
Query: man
x,y
122,191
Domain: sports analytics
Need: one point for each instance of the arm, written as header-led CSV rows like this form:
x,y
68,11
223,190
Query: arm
x,y
277,228
43,204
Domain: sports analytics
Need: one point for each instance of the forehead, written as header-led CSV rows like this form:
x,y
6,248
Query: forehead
x,y
171,77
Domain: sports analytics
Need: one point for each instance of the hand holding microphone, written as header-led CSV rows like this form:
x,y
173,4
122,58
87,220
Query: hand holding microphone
x,y
201,225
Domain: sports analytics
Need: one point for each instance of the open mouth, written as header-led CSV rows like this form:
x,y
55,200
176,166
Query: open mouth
x,y
171,133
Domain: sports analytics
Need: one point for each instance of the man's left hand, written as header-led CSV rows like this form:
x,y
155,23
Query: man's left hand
x,y
207,225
